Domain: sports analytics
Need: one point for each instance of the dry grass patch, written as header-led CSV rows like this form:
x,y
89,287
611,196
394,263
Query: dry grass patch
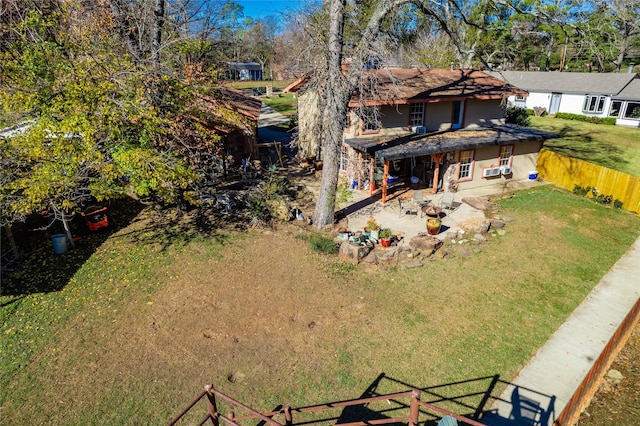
x,y
269,321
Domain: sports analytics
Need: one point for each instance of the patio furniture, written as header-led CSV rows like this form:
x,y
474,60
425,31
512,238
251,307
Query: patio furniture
x,y
431,210
419,200
407,207
448,203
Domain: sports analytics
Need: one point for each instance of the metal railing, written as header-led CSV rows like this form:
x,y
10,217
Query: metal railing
x,y
415,408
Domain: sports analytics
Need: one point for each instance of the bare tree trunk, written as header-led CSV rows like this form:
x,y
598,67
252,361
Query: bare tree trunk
x,y
335,108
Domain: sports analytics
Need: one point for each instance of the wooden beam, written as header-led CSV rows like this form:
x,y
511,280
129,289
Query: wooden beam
x,y
372,183
385,176
360,166
436,158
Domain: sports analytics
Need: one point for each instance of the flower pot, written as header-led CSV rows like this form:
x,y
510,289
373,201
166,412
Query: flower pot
x,y
433,225
374,234
385,242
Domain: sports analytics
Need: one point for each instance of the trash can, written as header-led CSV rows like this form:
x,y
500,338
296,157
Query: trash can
x,y
59,243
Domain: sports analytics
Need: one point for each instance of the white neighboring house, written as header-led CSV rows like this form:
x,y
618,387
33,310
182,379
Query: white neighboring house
x,y
591,94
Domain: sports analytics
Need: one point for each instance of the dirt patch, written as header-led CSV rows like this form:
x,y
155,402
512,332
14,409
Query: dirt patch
x,y
618,400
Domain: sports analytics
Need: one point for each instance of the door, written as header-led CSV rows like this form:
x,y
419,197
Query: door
x,y
555,103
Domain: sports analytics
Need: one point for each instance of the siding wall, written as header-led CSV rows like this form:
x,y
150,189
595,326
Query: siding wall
x,y
566,172
525,156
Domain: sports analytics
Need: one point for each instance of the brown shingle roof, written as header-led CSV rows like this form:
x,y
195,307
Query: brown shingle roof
x,y
412,85
450,141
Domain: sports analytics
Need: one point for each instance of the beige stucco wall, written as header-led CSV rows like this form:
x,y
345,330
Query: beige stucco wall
x,y
437,116
525,158
483,113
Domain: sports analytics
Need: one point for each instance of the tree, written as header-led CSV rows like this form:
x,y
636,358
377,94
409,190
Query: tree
x,y
334,88
99,110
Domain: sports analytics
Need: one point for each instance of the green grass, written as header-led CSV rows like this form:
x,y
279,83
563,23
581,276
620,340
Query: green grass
x,y
466,318
283,103
278,85
615,147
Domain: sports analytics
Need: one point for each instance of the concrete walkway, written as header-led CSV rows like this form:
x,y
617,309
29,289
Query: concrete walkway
x,y
542,389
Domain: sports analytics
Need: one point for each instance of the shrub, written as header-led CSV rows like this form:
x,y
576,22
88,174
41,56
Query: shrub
x,y
321,244
530,111
617,204
578,190
585,118
517,115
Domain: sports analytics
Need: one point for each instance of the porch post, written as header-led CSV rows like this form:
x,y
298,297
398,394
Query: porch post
x,y
385,175
360,166
436,172
372,183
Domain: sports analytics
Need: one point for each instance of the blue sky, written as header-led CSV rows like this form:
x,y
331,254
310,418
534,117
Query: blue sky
x,y
260,9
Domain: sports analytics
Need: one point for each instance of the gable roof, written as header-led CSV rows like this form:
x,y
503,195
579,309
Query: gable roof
x,y
631,92
580,83
395,86
414,85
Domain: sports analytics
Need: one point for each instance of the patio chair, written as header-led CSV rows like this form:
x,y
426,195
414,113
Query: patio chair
x,y
406,207
420,201
448,421
447,202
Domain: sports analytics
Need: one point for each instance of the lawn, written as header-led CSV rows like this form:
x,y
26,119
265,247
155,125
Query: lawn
x,y
161,308
615,147
284,103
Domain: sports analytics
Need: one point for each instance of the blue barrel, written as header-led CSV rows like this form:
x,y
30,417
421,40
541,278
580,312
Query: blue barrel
x,y
59,243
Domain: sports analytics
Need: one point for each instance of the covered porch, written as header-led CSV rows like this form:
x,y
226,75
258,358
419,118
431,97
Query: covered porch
x,y
427,161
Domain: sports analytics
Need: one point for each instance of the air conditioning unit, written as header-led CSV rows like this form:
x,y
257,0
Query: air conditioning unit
x,y
419,130
491,171
505,170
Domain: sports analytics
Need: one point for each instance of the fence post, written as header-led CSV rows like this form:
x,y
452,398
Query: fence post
x,y
414,409
211,404
287,416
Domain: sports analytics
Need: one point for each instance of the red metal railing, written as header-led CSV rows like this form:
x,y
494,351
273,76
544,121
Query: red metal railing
x,y
412,418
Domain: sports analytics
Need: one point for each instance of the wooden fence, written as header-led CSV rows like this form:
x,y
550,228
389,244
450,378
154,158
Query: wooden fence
x,y
414,407
589,385
566,172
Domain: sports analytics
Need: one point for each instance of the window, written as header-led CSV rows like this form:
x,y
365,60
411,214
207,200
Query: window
x,y
506,151
593,103
520,98
344,158
632,111
458,114
370,120
616,106
417,114
465,165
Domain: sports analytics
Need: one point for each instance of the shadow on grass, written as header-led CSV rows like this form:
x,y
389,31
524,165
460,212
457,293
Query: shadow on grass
x,y
41,270
471,399
588,146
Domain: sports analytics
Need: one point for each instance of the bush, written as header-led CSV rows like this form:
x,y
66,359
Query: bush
x,y
321,244
517,115
587,119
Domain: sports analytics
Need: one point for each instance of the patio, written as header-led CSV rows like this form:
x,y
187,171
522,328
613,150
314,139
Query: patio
x,y
389,215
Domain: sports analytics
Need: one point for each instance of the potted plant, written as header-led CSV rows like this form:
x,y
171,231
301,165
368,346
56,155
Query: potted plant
x,y
385,237
372,228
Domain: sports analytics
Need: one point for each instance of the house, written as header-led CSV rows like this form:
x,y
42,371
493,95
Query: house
x,y
239,136
591,94
435,128
244,71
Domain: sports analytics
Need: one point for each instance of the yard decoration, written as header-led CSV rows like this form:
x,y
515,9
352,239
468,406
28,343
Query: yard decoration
x,y
433,225
385,237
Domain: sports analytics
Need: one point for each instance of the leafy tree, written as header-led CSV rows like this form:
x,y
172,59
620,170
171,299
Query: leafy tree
x,y
97,116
